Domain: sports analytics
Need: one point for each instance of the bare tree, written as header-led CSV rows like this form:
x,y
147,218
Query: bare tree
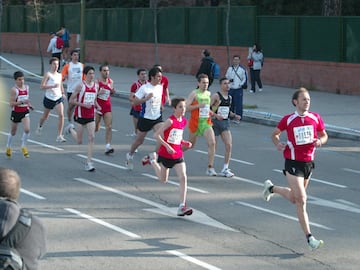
x,y
1,13
332,7
227,33
154,5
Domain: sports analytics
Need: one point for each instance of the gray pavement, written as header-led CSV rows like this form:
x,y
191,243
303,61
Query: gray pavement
x,y
341,113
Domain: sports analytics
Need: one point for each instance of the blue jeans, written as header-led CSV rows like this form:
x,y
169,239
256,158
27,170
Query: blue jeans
x,y
237,101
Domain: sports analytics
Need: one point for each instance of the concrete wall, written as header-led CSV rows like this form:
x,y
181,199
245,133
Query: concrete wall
x,y
315,75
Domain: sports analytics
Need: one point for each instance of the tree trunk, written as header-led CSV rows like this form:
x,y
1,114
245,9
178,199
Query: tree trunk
x,y
332,7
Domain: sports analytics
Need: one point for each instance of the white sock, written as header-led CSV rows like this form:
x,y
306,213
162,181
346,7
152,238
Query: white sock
x,y
25,137
10,137
226,166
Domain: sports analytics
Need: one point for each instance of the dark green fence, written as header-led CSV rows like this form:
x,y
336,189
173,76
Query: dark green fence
x,y
292,37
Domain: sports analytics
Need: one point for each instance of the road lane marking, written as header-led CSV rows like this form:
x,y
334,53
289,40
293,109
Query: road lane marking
x,y
281,215
318,180
335,205
220,156
103,223
176,184
193,260
32,194
197,216
351,170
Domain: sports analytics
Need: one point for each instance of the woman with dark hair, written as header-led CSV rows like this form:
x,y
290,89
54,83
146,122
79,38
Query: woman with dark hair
x,y
206,66
255,61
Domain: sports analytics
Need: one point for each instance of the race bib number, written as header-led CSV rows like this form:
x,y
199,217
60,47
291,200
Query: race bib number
x,y
223,111
22,98
304,135
175,136
89,98
104,94
155,104
204,112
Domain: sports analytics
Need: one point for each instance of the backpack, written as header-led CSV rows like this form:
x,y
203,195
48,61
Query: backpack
x,y
215,70
10,258
59,43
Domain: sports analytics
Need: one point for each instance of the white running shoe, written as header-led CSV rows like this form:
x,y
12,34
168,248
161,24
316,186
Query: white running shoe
x,y
68,128
227,173
60,139
211,172
314,243
184,211
129,162
38,131
89,167
266,192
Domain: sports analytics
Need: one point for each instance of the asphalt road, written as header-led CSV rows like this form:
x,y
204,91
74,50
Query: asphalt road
x,y
116,219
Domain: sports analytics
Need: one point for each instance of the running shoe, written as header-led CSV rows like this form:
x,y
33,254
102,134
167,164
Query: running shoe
x,y
89,167
314,243
38,131
266,192
25,151
184,211
129,161
211,172
109,151
145,160
60,139
227,173
8,152
68,128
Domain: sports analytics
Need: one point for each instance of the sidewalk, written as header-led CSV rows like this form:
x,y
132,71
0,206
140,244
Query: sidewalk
x,y
341,113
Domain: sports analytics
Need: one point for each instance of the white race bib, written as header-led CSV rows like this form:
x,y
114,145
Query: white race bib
x,y
175,136
89,98
204,112
303,135
223,111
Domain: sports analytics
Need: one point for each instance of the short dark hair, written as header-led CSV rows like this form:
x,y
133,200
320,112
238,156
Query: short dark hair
x,y
153,72
222,79
18,74
140,70
9,184
87,69
102,66
206,53
74,51
176,101
158,66
297,94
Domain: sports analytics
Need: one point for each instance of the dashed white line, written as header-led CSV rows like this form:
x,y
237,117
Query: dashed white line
x,y
193,260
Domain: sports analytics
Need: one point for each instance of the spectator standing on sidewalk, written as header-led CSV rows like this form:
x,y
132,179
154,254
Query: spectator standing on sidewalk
x,y
255,60
305,131
237,76
65,36
206,66
170,154
55,52
20,104
221,106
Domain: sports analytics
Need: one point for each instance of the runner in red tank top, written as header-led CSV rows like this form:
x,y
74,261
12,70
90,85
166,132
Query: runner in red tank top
x,y
170,153
106,89
305,131
20,104
84,98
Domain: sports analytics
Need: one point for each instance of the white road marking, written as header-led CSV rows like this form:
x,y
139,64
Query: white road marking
x,y
351,170
330,204
193,260
318,180
32,194
282,215
199,217
103,223
176,184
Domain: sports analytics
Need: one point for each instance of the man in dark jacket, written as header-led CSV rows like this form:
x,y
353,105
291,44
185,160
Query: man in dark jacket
x,y
206,66
33,246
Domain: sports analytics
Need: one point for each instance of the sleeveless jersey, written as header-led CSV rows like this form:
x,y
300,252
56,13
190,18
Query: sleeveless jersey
x,y
200,115
86,95
173,136
134,88
224,107
103,97
21,94
54,93
75,75
301,133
